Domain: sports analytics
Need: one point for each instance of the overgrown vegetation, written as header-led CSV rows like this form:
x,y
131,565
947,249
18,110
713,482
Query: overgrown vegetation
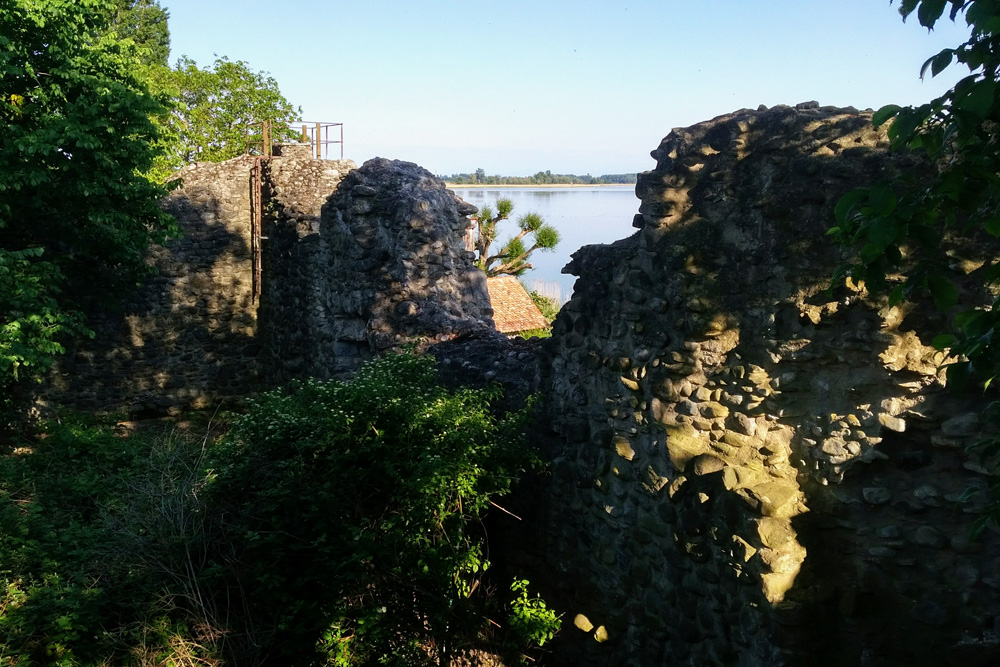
x,y
335,524
215,112
899,228
91,122
548,306
76,135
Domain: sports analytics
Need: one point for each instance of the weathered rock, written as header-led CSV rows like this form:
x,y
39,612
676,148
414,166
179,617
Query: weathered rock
x,y
876,495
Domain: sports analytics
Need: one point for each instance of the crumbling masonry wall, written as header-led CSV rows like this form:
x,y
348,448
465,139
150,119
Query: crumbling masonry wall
x,y
389,268
187,335
346,272
753,471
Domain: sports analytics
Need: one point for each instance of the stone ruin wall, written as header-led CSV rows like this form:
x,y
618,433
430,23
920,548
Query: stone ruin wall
x,y
346,272
750,471
389,268
186,336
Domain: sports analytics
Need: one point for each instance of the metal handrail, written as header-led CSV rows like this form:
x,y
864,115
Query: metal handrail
x,y
316,134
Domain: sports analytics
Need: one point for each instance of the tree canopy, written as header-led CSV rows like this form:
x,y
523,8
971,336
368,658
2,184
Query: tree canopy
x,y
899,228
212,108
145,23
512,258
76,135
91,119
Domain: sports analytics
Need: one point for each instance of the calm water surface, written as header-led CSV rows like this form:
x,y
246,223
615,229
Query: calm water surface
x,y
583,215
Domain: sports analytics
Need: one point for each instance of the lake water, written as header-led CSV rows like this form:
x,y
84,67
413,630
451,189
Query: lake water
x,y
583,215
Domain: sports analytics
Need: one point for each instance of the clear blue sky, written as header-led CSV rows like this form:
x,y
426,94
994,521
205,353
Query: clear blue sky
x,y
520,86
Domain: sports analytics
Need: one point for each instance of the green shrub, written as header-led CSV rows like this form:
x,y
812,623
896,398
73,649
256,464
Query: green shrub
x,y
81,575
356,506
548,306
337,523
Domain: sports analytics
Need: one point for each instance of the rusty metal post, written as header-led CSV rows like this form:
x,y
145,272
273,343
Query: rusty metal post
x,y
266,138
318,149
305,134
256,225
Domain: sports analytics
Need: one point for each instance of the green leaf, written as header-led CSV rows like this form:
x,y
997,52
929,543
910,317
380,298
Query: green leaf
x,y
882,199
906,7
881,233
958,375
943,291
896,295
884,114
938,63
848,203
904,126
991,273
943,341
979,99
930,11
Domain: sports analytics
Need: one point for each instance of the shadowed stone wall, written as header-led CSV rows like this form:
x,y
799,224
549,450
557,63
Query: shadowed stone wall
x,y
186,336
389,268
347,271
753,471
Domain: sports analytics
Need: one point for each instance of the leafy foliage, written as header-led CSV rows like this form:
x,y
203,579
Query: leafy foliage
x,y
145,23
512,259
898,230
530,620
75,138
29,293
212,110
336,524
360,501
548,306
75,589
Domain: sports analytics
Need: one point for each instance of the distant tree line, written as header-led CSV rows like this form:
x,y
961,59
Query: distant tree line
x,y
541,178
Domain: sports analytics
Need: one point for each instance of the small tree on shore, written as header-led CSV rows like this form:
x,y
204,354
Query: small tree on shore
x,y
512,258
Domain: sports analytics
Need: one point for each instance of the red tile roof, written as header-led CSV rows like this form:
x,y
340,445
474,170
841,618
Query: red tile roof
x,y
513,309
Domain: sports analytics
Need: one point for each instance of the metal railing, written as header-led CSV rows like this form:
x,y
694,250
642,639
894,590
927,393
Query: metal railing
x,y
261,137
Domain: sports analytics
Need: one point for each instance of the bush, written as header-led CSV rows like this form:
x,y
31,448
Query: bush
x,y
337,523
356,508
83,575
548,306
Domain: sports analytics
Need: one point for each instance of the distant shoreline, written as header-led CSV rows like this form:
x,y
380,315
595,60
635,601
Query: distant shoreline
x,y
483,186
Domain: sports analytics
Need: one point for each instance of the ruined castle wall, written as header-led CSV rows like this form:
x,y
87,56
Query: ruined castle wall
x,y
408,230
754,471
187,335
346,272
388,268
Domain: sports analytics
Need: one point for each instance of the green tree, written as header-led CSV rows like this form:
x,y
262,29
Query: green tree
x,y
145,23
213,107
76,214
512,259
899,229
